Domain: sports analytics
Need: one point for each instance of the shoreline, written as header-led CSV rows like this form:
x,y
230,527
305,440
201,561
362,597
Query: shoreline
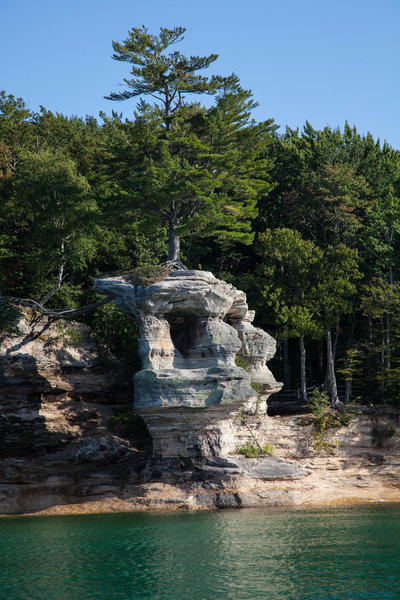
x,y
360,466
321,488
81,510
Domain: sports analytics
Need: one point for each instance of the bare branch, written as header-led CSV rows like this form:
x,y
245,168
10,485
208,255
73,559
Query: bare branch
x,y
58,313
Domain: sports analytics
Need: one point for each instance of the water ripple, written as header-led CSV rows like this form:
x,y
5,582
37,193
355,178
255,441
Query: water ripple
x,y
341,554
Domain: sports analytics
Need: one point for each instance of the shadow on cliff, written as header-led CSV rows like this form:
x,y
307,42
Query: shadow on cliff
x,y
39,420
23,431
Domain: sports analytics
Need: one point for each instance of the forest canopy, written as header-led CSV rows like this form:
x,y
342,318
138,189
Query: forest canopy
x,y
307,221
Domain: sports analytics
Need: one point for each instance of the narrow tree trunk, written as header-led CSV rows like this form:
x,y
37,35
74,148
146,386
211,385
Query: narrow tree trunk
x,y
326,387
347,390
331,370
348,384
168,114
174,245
335,343
303,380
60,275
286,365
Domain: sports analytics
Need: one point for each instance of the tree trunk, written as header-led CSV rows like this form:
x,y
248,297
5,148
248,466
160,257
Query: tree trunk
x,y
286,365
327,382
60,276
174,245
168,114
331,370
303,380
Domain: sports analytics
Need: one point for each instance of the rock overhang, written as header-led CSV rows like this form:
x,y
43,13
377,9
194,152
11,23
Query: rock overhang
x,y
192,326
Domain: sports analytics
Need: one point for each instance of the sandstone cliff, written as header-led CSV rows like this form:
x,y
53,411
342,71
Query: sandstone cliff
x,y
60,394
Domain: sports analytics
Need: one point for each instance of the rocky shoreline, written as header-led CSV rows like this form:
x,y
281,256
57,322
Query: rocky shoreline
x,y
70,444
359,469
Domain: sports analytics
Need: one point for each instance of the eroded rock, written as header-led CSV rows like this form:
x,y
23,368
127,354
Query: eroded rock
x,y
192,328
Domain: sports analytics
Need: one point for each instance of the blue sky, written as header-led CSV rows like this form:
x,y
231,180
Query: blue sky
x,y
319,60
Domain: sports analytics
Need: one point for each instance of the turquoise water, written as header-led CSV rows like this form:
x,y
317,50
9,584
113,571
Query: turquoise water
x,y
273,554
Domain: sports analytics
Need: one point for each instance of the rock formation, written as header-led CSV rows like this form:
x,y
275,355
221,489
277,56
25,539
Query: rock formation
x,y
193,327
61,392
61,395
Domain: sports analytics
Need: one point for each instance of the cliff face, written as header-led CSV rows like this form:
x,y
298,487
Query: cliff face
x,y
59,393
192,329
64,407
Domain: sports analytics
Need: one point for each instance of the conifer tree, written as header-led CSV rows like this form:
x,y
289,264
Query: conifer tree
x,y
183,176
167,78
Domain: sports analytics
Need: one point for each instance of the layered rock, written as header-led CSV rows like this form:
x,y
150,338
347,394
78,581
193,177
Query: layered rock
x,y
61,394
58,388
192,328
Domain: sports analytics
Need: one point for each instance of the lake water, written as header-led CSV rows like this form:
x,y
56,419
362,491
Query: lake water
x,y
273,554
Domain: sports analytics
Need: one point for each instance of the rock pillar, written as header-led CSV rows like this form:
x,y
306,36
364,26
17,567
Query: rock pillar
x,y
193,327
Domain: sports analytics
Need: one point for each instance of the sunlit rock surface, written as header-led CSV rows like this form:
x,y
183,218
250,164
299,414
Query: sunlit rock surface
x,y
193,327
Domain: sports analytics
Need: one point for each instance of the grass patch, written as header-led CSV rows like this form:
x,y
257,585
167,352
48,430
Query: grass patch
x,y
250,450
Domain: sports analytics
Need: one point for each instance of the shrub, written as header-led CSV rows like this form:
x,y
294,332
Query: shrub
x,y
250,450
148,274
10,316
326,417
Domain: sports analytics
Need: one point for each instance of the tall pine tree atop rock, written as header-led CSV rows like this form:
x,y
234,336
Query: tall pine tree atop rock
x,y
198,170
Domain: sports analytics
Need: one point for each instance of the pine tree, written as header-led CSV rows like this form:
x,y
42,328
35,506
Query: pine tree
x,y
185,172
167,78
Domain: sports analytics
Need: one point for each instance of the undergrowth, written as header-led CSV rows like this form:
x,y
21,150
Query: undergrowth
x,y
250,450
325,417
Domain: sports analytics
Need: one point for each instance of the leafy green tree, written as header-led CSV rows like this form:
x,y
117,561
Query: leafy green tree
x,y
54,201
308,290
290,268
335,288
380,301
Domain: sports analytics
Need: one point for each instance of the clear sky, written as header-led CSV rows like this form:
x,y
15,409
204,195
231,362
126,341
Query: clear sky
x,y
325,61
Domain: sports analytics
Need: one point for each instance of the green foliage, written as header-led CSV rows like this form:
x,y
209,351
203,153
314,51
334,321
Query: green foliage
x,y
170,76
326,418
10,316
120,334
250,450
319,404
199,170
129,425
69,335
